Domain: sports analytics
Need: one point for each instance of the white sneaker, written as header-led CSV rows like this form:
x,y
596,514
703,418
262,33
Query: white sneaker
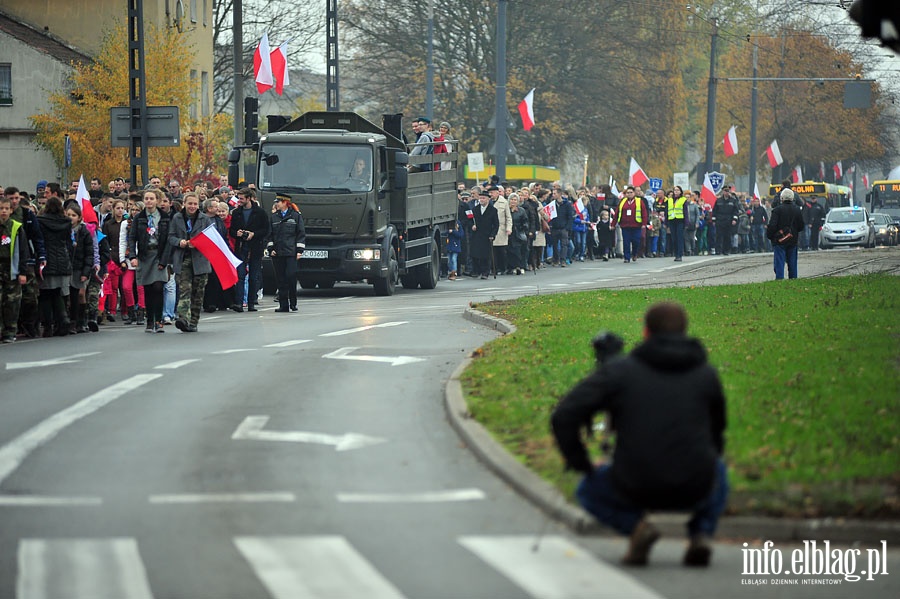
x,y
259,294
167,320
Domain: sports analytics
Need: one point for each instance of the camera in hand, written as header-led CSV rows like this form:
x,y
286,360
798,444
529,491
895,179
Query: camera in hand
x,y
245,235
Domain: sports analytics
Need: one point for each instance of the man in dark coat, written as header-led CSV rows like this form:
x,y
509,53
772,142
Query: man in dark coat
x,y
725,214
783,231
249,229
667,408
286,244
484,230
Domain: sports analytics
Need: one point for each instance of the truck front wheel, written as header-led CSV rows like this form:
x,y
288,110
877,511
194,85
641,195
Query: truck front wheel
x,y
388,284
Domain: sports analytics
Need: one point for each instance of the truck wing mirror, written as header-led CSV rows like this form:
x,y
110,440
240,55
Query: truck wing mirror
x,y
401,175
234,168
270,159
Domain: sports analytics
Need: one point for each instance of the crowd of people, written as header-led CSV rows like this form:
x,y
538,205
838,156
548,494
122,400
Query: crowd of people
x,y
131,257
503,229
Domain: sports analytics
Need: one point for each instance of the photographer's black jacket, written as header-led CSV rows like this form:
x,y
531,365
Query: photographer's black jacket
x,y
668,411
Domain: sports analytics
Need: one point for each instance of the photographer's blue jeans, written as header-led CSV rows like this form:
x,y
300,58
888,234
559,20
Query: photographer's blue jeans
x,y
596,494
785,254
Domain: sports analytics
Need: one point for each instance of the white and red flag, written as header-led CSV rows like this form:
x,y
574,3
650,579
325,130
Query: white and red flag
x,y
756,191
550,210
280,70
731,145
838,170
209,243
797,174
866,181
707,194
579,206
88,214
774,154
470,214
526,110
636,175
262,66
821,171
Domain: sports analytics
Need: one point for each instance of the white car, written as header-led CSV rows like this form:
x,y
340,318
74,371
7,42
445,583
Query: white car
x,y
847,226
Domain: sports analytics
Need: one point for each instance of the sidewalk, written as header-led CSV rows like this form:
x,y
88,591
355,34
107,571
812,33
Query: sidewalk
x,y
546,497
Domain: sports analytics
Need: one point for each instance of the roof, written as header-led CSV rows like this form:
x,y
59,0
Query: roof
x,y
41,41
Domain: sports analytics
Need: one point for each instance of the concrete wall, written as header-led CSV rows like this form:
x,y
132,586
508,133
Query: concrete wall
x,y
33,73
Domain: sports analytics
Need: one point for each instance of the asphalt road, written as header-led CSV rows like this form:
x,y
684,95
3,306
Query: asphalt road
x,y
308,455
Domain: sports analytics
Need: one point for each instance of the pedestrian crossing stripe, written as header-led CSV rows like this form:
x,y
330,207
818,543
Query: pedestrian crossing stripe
x,y
316,567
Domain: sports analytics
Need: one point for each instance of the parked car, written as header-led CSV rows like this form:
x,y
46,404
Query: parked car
x,y
847,226
886,230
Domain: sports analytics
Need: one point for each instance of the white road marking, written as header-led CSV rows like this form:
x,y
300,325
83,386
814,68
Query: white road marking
x,y
558,570
315,567
288,343
491,289
174,365
361,329
81,568
429,497
343,354
234,351
14,453
251,429
51,362
46,501
182,498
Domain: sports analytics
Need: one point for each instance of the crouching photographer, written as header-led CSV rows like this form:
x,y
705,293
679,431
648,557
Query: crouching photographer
x,y
668,410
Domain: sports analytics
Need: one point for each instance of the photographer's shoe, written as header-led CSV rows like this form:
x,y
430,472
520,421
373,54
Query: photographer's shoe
x,y
698,552
642,538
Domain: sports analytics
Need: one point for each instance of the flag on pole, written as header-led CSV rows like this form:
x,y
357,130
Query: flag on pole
x,y
84,200
209,243
821,171
838,170
865,181
756,191
797,174
731,145
707,194
636,175
280,71
262,66
526,110
774,154
550,210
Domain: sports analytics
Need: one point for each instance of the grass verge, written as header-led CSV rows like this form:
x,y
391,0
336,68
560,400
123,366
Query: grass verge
x,y
811,371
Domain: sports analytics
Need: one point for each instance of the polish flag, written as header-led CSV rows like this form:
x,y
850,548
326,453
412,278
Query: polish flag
x,y
636,175
470,214
84,200
262,66
280,71
526,110
821,171
550,210
731,145
579,206
756,191
209,243
707,194
866,181
774,154
797,174
838,170
615,189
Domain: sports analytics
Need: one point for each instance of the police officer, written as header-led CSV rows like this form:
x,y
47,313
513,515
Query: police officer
x,y
725,214
286,245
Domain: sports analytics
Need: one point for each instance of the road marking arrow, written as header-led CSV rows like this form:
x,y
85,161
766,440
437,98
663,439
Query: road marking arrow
x,y
361,329
52,362
342,354
252,429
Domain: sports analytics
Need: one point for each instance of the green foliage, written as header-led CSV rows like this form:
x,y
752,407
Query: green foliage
x,y
811,371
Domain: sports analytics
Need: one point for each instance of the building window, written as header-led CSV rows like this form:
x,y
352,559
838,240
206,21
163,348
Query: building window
x,y
193,11
204,93
205,10
193,110
5,84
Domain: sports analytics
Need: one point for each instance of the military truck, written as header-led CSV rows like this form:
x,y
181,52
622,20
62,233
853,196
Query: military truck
x,y
367,217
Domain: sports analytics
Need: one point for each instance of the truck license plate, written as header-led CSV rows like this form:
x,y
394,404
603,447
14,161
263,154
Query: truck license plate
x,y
323,254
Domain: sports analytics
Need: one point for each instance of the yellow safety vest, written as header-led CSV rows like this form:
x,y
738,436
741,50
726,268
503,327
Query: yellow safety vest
x,y
637,213
676,208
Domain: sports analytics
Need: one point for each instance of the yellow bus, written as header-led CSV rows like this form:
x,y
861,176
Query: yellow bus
x,y
830,194
885,198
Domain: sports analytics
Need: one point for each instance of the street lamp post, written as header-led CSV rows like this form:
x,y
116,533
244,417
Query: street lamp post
x,y
500,112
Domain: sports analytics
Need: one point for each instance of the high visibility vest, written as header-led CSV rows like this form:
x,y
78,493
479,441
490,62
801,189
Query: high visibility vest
x,y
637,213
676,208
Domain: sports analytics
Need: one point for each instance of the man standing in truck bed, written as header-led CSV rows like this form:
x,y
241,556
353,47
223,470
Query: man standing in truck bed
x,y
422,127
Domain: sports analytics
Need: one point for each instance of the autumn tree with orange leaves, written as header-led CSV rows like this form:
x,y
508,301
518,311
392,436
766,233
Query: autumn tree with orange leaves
x,y
83,111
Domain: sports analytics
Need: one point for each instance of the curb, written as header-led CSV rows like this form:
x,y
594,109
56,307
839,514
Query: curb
x,y
548,499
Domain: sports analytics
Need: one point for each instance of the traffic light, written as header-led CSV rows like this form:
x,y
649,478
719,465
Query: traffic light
x,y
880,19
251,120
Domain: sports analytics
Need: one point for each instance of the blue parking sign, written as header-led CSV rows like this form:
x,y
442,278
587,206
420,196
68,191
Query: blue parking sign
x,y
655,185
717,180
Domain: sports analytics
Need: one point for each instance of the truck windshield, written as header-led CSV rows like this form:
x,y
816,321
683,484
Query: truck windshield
x,y
317,168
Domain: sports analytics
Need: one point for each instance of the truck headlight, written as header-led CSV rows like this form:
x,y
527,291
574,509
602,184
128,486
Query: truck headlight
x,y
367,254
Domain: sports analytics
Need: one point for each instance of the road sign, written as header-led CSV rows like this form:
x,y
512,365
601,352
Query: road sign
x,y
475,162
163,127
717,180
682,180
655,184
